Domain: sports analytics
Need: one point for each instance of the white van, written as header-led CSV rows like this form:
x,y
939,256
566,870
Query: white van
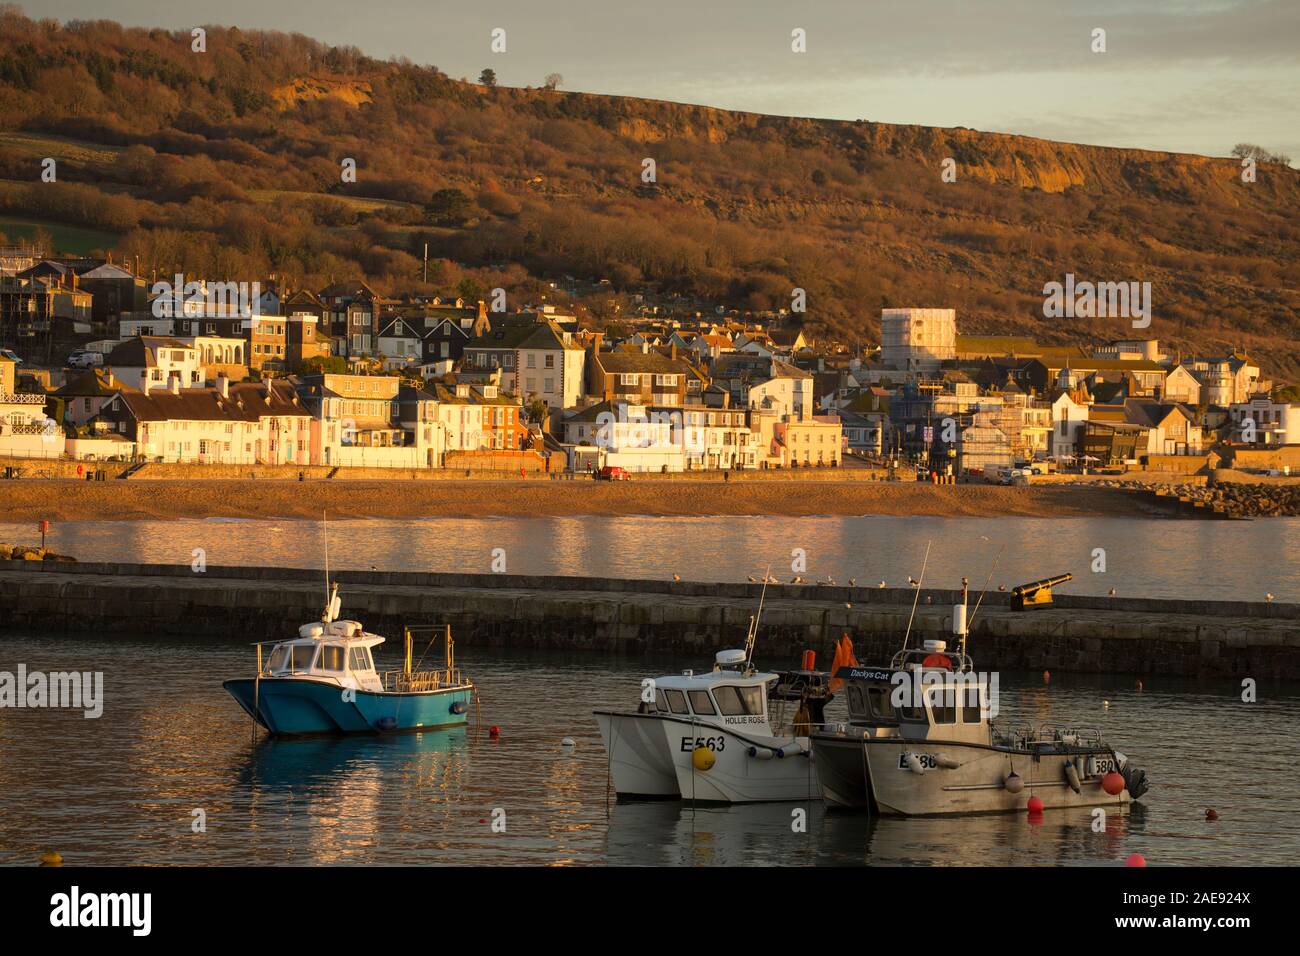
x,y
84,358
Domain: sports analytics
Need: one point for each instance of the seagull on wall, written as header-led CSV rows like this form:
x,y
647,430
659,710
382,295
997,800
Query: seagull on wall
x,y
882,584
677,577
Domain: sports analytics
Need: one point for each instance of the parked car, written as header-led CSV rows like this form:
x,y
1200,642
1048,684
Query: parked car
x,y
613,473
84,358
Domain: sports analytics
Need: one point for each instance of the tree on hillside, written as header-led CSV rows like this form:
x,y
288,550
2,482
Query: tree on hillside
x,y
448,207
553,80
488,78
1260,154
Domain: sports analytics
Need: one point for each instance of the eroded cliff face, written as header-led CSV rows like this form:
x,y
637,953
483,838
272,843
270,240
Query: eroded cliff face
x,y
1021,161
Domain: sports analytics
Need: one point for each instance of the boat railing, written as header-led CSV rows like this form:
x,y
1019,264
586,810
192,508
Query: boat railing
x,y
413,682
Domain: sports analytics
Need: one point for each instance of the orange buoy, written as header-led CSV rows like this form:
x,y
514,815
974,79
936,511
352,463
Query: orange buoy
x,y
1035,805
809,660
1211,814
1047,677
1139,684
941,661
1113,783
494,731
1136,859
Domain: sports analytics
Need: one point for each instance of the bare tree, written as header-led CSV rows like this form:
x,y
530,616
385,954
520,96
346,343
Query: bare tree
x,y
553,80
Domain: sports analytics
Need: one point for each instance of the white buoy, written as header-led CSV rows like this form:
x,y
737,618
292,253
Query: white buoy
x,y
567,743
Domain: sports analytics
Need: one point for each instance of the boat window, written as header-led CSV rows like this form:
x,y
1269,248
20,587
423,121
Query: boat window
x,y
331,658
881,707
970,711
300,656
752,697
943,704
729,703
659,703
700,702
676,701
278,657
857,701
360,659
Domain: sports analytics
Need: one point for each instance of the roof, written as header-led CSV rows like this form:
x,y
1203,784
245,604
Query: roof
x,y
140,351
247,403
638,361
94,382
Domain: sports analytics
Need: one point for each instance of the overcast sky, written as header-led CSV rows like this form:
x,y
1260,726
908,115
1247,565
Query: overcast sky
x,y
1185,75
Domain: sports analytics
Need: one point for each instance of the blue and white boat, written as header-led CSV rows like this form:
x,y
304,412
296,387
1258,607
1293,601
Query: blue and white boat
x,y
324,681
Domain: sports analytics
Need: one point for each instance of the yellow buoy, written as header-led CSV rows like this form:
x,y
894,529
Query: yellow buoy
x,y
51,859
703,758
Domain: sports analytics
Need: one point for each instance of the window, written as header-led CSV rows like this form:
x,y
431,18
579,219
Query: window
x,y
300,656
943,704
278,658
676,701
700,702
550,361
970,711
738,701
359,659
331,657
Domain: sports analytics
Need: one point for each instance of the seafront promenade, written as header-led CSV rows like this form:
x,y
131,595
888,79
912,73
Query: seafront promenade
x,y
688,620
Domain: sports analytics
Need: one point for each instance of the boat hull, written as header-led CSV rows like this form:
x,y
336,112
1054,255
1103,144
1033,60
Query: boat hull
x,y
976,783
296,706
651,756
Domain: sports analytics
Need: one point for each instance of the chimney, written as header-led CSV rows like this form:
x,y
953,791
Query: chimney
x,y
269,391
144,381
223,385
108,375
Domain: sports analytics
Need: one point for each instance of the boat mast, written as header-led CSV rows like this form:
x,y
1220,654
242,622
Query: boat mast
x,y
919,582
752,636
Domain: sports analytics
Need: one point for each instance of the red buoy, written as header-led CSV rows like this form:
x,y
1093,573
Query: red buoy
x,y
809,660
1136,859
1211,814
938,661
1047,677
494,731
1113,783
1035,805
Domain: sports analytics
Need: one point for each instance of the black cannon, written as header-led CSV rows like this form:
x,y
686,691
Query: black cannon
x,y
1036,593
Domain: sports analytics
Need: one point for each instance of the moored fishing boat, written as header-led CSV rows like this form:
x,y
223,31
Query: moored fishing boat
x,y
732,735
325,681
919,741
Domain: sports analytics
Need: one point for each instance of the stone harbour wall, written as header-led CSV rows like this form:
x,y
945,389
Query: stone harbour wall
x,y
689,620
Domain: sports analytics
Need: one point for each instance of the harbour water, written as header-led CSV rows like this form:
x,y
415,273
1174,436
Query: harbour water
x,y
125,788
1226,560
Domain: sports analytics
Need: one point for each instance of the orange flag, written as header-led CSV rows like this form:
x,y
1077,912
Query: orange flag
x,y
843,658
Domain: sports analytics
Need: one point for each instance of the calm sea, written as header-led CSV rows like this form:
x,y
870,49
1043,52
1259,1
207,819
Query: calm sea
x,y
128,787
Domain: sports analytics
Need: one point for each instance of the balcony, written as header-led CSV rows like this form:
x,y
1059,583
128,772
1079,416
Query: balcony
x,y
22,398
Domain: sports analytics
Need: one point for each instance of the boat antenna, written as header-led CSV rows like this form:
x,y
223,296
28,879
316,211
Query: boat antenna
x,y
980,599
329,598
917,598
752,636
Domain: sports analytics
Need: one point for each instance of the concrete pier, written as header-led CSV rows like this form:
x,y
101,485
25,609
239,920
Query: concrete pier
x,y
689,620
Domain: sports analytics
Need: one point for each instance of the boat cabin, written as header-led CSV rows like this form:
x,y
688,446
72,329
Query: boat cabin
x,y
337,652
733,693
925,694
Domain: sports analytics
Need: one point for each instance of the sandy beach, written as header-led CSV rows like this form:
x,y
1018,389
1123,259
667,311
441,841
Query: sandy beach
x,y
69,500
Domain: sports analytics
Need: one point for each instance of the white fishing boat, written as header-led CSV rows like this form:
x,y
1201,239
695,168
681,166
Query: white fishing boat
x,y
932,749
731,735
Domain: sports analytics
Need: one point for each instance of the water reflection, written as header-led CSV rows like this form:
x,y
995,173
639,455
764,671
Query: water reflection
x,y
1228,560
